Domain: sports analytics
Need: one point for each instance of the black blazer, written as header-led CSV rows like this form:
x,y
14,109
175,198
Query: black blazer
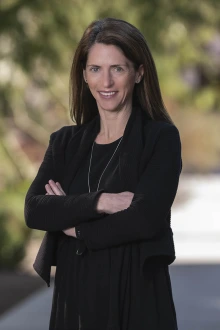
x,y
150,164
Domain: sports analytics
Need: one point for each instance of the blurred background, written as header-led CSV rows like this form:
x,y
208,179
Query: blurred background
x,y
37,43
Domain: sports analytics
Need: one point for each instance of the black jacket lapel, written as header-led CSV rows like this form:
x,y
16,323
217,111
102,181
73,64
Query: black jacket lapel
x,y
131,150
78,149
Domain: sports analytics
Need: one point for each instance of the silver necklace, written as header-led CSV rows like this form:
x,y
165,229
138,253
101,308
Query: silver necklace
x,y
104,168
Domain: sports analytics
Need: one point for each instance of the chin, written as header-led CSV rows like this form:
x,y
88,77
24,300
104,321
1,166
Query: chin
x,y
112,108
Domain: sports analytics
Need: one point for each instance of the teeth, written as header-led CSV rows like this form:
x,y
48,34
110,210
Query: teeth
x,y
107,93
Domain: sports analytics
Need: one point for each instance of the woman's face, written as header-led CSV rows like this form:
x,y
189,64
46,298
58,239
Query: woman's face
x,y
111,77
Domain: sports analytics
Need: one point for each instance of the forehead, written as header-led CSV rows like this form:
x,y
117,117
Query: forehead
x,y
106,54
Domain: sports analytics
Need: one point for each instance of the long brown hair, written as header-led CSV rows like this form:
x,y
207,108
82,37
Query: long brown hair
x,y
128,38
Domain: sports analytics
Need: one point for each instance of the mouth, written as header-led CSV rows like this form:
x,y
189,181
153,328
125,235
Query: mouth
x,y
107,94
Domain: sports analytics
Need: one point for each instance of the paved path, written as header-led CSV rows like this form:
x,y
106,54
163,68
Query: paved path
x,y
31,314
195,275
196,292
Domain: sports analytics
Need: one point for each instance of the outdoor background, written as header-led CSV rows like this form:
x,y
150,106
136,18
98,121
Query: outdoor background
x,y
37,43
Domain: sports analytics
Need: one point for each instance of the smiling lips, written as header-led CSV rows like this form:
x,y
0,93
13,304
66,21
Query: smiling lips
x,y
107,94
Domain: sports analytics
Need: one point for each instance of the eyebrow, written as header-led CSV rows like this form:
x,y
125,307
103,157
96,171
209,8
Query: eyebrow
x,y
114,65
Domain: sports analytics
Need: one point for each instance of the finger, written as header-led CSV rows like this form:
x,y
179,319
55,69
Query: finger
x,y
54,187
49,190
59,186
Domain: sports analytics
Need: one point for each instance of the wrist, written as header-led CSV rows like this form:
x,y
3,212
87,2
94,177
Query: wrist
x,y
101,205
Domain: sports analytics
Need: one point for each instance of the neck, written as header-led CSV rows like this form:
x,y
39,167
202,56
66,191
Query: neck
x,y
112,124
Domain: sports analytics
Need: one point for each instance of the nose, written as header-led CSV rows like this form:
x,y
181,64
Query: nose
x,y
107,79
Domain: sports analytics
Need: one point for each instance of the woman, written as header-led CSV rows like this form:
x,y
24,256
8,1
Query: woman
x,y
104,191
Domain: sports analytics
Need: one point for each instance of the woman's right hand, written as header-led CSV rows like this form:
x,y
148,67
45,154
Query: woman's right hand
x,y
112,203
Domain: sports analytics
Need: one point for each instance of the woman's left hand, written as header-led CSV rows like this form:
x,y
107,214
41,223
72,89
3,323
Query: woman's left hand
x,y
53,188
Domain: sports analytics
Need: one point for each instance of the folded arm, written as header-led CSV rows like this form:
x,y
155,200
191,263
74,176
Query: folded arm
x,y
146,217
55,213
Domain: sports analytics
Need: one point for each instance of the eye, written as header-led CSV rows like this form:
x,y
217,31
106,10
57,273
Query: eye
x,y
94,69
118,69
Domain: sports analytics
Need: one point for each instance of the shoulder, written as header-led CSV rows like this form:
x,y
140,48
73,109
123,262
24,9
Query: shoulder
x,y
155,127
156,130
65,134
160,134
65,131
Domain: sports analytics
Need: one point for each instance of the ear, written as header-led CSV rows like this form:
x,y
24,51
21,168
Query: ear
x,y
139,73
84,75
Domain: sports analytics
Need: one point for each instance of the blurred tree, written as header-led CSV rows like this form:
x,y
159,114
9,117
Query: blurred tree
x,y
185,38
14,234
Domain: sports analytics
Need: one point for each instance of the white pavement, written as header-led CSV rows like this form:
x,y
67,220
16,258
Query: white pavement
x,y
196,289
196,220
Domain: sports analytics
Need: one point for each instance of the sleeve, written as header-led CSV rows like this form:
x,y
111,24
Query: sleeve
x,y
56,213
146,217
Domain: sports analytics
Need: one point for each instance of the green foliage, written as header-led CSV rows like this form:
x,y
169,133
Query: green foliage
x,y
14,234
185,38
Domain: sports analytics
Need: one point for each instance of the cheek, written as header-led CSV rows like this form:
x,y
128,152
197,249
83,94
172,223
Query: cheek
x,y
92,88
129,82
129,87
92,83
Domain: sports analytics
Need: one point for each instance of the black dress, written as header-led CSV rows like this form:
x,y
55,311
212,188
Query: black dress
x,y
70,296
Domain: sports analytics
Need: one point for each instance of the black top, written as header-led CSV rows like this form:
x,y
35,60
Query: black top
x,y
74,272
100,157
